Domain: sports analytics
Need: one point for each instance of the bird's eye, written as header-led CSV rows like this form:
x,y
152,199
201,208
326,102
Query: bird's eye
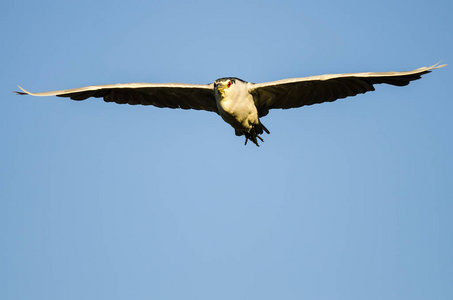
x,y
229,84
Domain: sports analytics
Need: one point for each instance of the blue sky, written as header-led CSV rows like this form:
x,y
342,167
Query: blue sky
x,y
344,200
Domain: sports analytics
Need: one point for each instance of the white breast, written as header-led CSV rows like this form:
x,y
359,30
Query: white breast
x,y
236,106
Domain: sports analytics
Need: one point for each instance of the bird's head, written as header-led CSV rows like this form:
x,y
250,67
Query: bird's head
x,y
228,85
223,84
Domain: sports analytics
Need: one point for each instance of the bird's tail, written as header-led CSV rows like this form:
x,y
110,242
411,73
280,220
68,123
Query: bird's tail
x,y
254,134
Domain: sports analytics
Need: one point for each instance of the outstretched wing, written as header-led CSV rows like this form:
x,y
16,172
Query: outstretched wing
x,y
172,95
297,92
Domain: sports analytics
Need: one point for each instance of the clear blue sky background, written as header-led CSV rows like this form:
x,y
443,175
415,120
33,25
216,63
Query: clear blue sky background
x,y
345,200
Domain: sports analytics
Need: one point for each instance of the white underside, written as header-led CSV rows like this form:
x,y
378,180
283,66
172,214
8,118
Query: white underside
x,y
237,107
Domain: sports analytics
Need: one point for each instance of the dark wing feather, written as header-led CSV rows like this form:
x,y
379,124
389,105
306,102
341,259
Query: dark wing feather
x,y
297,92
172,95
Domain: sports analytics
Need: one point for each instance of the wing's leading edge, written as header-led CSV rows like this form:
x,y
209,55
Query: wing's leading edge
x,y
171,95
297,92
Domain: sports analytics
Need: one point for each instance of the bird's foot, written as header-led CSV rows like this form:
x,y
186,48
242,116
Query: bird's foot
x,y
252,138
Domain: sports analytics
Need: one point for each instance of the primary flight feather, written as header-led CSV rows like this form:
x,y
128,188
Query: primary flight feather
x,y
240,103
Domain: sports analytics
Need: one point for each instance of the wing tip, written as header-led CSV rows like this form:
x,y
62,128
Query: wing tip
x,y
437,66
24,92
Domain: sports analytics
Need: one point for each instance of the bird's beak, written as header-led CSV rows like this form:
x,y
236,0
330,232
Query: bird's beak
x,y
220,87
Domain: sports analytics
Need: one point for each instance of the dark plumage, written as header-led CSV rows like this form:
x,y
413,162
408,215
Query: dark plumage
x,y
241,103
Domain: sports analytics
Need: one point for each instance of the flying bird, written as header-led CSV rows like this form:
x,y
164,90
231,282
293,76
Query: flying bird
x,y
240,103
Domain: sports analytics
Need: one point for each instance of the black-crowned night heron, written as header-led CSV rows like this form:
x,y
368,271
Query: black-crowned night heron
x,y
240,103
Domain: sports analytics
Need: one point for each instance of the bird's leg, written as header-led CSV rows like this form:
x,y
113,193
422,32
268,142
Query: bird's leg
x,y
250,137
